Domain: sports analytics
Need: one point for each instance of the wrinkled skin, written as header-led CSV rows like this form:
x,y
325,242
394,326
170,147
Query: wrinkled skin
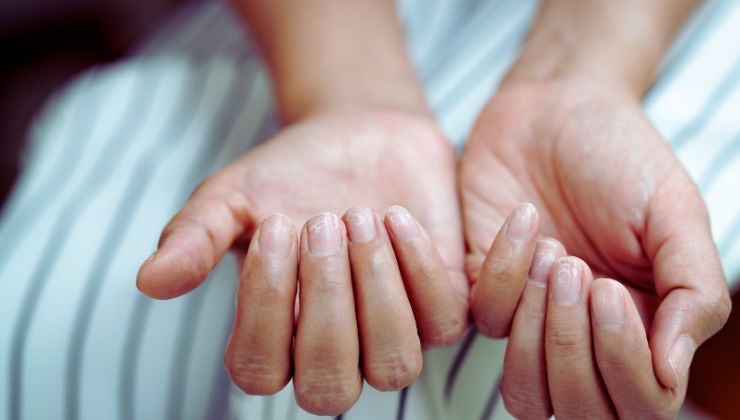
x,y
327,163
330,162
610,189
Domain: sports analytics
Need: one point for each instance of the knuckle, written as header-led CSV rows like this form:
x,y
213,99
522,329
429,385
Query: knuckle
x,y
327,393
724,307
268,283
255,374
565,338
524,405
393,370
715,311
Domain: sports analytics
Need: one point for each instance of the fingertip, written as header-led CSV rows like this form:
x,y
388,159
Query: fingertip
x,y
161,278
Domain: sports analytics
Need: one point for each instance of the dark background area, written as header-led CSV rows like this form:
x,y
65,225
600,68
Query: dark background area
x,y
43,43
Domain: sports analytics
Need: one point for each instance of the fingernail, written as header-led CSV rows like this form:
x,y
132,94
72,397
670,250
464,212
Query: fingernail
x,y
402,224
360,225
566,283
324,235
521,222
608,307
544,256
681,355
276,236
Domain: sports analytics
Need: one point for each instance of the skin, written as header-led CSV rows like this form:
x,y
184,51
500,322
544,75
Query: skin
x,y
357,133
224,212
565,132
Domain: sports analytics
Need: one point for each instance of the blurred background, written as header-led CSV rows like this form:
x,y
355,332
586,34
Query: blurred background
x,y
44,43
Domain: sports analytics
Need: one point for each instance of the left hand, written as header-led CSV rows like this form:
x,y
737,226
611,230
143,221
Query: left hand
x,y
611,190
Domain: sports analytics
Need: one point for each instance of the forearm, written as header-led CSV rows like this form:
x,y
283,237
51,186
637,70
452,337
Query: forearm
x,y
329,54
620,42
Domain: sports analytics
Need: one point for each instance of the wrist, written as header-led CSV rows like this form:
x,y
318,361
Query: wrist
x,y
333,54
301,99
618,44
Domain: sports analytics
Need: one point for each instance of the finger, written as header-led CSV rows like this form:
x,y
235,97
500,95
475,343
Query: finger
x,y
623,355
524,383
576,389
689,279
496,292
390,347
259,349
195,240
440,311
327,377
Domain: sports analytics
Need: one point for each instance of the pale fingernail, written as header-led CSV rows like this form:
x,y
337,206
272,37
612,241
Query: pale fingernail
x,y
566,283
276,236
544,256
681,355
360,225
402,224
521,222
324,235
608,307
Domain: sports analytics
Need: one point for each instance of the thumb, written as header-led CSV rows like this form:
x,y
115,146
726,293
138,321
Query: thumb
x,y
695,301
195,240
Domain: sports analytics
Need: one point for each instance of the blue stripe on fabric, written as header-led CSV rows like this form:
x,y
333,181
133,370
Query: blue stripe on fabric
x,y
718,10
457,362
492,401
402,396
136,323
232,109
717,97
110,246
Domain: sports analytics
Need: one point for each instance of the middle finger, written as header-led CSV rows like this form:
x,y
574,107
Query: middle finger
x,y
327,378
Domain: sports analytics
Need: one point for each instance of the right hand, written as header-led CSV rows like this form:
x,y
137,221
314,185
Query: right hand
x,y
329,162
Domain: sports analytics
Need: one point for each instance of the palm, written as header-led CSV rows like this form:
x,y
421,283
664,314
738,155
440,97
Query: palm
x,y
334,162
594,167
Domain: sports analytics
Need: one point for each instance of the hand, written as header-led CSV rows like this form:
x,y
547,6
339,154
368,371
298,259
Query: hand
x,y
329,162
611,190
